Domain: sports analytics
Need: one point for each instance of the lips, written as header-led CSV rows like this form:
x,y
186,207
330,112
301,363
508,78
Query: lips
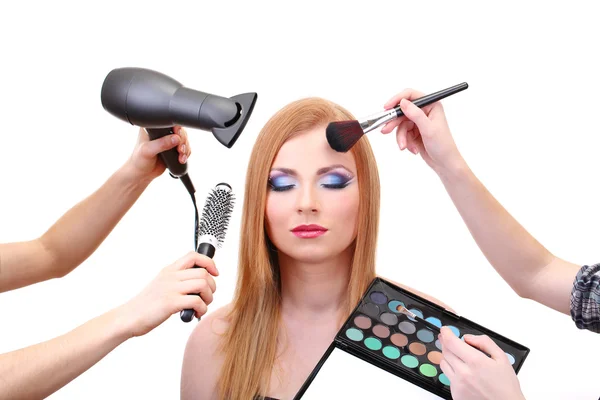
x,y
309,231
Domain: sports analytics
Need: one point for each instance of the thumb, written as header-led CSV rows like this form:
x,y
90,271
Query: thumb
x,y
416,115
487,345
152,148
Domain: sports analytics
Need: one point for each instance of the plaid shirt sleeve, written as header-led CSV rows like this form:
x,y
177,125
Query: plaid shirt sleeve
x,y
585,298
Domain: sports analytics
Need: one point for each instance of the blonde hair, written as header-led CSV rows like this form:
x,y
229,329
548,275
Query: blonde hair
x,y
255,315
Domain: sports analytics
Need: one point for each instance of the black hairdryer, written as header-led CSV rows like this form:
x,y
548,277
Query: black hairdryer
x,y
157,102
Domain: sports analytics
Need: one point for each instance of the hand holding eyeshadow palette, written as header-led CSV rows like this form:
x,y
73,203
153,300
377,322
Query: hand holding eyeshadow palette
x,y
376,333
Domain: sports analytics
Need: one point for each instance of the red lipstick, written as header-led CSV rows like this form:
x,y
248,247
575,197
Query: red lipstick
x,y
309,231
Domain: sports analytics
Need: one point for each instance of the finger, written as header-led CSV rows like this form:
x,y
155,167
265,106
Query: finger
x,y
401,135
411,135
416,115
487,345
447,370
143,136
152,148
194,302
192,273
457,347
194,259
197,273
452,359
182,153
197,286
387,128
409,94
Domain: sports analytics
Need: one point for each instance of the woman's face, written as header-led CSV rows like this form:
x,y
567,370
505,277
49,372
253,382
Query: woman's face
x,y
312,199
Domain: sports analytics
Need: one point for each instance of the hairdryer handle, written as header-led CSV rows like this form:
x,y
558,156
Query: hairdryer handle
x,y
171,156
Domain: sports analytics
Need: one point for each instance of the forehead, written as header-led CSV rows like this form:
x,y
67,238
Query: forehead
x,y
310,151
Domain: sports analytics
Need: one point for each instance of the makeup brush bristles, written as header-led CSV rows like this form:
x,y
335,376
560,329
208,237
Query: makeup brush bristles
x,y
342,135
403,310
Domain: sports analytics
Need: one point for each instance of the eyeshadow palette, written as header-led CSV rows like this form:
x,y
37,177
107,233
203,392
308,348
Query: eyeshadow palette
x,y
377,333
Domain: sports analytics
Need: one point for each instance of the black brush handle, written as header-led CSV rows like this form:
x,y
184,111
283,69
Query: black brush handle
x,y
433,97
428,324
171,156
208,250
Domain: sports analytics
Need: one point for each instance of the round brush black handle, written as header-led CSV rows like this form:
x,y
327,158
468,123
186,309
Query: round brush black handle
x,y
208,250
433,97
171,156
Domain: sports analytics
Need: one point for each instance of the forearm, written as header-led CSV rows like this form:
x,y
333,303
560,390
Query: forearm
x,y
40,370
530,269
77,234
73,238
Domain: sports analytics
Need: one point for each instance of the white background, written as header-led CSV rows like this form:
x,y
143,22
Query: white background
x,y
527,126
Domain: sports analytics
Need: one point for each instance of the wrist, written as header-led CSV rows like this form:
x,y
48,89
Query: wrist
x,y
121,323
456,169
130,177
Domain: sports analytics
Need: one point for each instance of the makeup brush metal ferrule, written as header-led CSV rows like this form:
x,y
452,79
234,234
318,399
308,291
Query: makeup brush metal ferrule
x,y
342,135
403,310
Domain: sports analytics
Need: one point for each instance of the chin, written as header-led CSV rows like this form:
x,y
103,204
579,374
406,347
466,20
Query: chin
x,y
312,253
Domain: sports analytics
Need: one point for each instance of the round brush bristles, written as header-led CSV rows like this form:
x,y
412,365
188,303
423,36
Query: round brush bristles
x,y
217,212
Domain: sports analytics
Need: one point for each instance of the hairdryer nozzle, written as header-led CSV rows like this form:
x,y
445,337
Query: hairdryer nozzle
x,y
228,135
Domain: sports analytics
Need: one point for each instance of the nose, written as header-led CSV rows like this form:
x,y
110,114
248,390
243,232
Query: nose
x,y
307,200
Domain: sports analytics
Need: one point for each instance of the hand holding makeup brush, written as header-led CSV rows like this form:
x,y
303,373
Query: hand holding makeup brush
x,y
472,374
423,130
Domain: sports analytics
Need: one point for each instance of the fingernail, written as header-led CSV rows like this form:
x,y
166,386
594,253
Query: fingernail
x,y
183,148
402,103
184,159
414,150
175,139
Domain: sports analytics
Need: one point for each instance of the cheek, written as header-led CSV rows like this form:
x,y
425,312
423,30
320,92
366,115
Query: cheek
x,y
343,207
276,213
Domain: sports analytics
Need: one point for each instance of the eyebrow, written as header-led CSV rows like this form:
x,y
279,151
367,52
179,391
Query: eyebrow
x,y
321,171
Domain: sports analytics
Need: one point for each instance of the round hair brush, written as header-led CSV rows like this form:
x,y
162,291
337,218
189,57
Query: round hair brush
x,y
213,225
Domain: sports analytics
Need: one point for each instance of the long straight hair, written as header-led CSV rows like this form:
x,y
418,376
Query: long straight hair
x,y
249,356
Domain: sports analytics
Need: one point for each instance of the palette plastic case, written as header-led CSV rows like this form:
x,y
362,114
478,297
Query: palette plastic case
x,y
378,334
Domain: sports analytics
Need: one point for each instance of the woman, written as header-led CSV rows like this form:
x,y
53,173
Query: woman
x,y
307,255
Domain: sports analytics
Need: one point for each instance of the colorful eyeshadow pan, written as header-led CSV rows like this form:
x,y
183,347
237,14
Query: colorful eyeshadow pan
x,y
391,352
381,331
435,357
409,361
444,379
354,334
417,348
407,327
362,322
425,336
379,298
373,343
370,309
399,339
389,319
435,321
428,370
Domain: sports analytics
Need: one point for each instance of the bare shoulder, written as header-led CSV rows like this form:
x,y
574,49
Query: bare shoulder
x,y
202,361
419,293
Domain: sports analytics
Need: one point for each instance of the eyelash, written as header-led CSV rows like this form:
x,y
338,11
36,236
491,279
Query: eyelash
x,y
288,187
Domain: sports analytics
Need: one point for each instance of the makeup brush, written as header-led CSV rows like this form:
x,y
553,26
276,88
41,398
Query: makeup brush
x,y
403,310
343,135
